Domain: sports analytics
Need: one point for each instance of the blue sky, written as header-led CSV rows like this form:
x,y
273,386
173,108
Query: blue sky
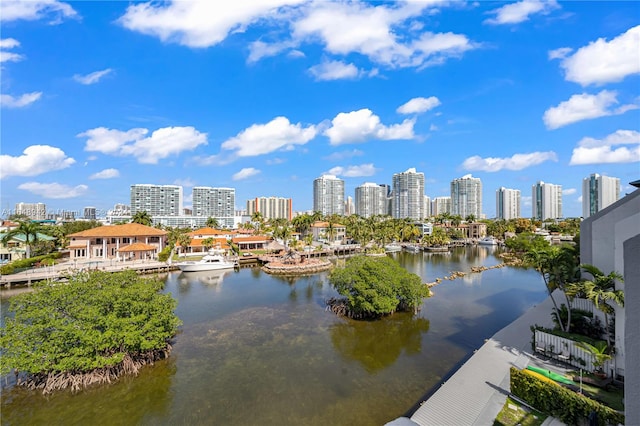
x,y
268,96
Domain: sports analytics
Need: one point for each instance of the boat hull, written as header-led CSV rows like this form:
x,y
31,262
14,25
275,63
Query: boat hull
x,y
198,267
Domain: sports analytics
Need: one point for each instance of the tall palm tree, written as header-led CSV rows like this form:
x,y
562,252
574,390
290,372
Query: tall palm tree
x,y
207,243
27,229
212,222
599,290
143,218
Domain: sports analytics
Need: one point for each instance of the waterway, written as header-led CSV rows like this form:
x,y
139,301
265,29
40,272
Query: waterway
x,y
258,349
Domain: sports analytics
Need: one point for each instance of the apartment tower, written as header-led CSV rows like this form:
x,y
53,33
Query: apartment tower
x,y
598,192
328,195
271,207
371,200
408,195
546,201
440,205
34,211
157,200
466,197
507,203
218,203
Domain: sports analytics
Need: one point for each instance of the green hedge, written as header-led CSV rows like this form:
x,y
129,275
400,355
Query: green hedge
x,y
568,406
48,259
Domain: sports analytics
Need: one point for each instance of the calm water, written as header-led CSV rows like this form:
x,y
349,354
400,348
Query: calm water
x,y
257,349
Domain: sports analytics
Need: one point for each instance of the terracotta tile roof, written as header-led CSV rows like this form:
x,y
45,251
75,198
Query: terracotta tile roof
x,y
197,242
210,231
126,230
137,247
250,239
325,225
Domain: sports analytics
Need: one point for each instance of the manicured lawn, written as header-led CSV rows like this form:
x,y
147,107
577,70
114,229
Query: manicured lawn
x,y
611,396
513,414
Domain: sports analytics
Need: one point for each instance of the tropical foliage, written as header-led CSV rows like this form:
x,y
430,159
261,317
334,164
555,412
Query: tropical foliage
x,y
143,218
99,324
375,286
26,229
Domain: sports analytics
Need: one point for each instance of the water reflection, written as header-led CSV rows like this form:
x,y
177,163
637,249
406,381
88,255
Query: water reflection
x,y
207,278
378,344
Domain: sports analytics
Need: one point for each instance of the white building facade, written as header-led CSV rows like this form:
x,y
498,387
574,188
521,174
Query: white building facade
x,y
546,201
507,203
598,192
371,200
34,211
271,207
466,197
157,200
408,195
440,205
218,203
328,195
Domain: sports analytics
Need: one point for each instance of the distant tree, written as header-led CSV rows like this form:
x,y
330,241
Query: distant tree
x,y
470,218
375,286
93,329
28,230
143,218
207,243
212,222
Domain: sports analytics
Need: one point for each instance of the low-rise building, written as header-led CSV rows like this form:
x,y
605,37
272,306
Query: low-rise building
x,y
329,233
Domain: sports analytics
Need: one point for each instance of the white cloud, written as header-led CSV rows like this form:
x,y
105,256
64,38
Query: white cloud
x,y
603,62
601,151
245,173
9,43
8,101
54,190
514,13
362,125
584,107
334,70
278,134
569,191
259,49
433,128
515,162
188,183
560,53
35,160
106,174
418,105
353,171
199,23
31,10
91,78
162,143
343,155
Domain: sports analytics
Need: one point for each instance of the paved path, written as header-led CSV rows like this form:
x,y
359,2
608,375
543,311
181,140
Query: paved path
x,y
476,393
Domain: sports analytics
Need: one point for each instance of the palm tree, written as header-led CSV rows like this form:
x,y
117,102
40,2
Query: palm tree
x,y
143,218
207,243
27,229
177,237
600,289
212,222
470,218
599,352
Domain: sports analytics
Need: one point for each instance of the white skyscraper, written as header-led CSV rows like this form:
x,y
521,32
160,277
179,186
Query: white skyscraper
x,y
271,207
426,210
546,201
157,200
440,205
349,206
408,195
218,203
507,203
371,200
466,197
328,195
598,192
34,211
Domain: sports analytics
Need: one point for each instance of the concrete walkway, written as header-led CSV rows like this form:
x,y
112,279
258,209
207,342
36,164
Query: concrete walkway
x,y
476,393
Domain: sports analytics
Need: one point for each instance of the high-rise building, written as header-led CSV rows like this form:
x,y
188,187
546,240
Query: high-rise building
x,y
426,210
598,192
408,195
89,213
466,197
349,206
218,203
546,201
271,207
157,200
507,203
371,200
34,211
440,205
328,195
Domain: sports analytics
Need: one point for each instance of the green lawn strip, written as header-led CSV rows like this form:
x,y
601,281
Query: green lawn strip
x,y
513,413
611,397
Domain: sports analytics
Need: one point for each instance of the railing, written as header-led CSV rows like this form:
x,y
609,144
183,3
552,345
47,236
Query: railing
x,y
565,350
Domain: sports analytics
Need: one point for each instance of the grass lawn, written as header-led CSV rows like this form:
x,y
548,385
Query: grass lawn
x,y
611,396
513,413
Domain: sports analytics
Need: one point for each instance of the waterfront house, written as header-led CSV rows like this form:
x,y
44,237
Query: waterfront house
x,y
322,230
131,241
16,248
244,241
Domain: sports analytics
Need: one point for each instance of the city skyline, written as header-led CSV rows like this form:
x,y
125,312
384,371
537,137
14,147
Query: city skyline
x,y
96,97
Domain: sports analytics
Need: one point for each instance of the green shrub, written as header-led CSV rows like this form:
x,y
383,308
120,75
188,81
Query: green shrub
x,y
163,256
47,259
568,406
